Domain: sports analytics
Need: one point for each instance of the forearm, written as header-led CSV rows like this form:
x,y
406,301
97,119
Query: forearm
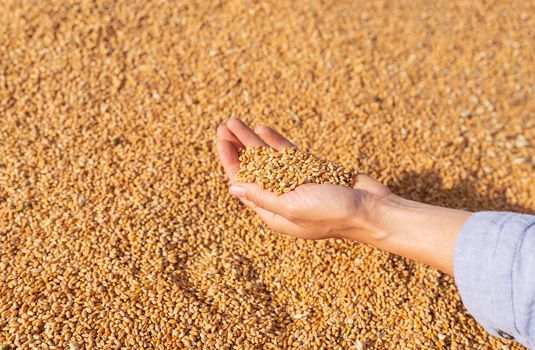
x,y
493,254
418,231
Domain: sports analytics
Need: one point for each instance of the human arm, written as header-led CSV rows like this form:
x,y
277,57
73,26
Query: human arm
x,y
492,255
369,213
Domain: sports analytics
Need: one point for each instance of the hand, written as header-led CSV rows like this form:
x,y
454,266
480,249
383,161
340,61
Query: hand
x,y
369,212
311,211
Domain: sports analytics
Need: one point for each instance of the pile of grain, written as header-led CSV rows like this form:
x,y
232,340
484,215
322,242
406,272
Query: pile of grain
x,y
116,226
282,171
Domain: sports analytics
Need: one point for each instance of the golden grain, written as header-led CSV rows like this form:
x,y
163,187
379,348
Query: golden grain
x,y
116,226
282,171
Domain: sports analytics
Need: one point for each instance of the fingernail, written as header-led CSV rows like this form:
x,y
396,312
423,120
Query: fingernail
x,y
237,191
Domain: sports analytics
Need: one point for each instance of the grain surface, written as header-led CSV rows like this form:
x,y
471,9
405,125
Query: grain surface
x,y
116,226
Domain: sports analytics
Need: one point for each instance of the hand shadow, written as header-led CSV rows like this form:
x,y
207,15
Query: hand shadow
x,y
428,187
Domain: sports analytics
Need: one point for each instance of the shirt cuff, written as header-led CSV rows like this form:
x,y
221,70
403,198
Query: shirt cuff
x,y
483,266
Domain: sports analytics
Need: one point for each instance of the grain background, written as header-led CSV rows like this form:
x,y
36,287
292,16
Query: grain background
x,y
116,226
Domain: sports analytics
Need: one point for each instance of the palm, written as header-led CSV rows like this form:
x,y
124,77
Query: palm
x,y
319,202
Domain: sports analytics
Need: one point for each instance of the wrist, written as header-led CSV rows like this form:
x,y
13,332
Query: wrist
x,y
370,221
418,231
384,212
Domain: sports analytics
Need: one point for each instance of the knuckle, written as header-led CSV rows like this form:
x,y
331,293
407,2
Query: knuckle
x,y
262,129
258,200
274,228
292,210
220,130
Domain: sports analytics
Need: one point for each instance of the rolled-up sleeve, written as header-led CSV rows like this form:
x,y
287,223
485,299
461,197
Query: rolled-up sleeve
x,y
494,271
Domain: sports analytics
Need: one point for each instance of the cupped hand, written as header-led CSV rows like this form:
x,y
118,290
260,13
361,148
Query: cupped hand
x,y
311,211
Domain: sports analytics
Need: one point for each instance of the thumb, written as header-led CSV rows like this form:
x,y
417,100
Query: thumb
x,y
366,183
261,198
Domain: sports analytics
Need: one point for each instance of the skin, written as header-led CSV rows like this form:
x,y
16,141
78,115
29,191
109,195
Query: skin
x,y
369,212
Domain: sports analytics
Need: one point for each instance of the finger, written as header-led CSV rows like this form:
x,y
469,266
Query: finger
x,y
223,133
274,221
279,223
229,158
244,133
261,198
273,138
247,203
